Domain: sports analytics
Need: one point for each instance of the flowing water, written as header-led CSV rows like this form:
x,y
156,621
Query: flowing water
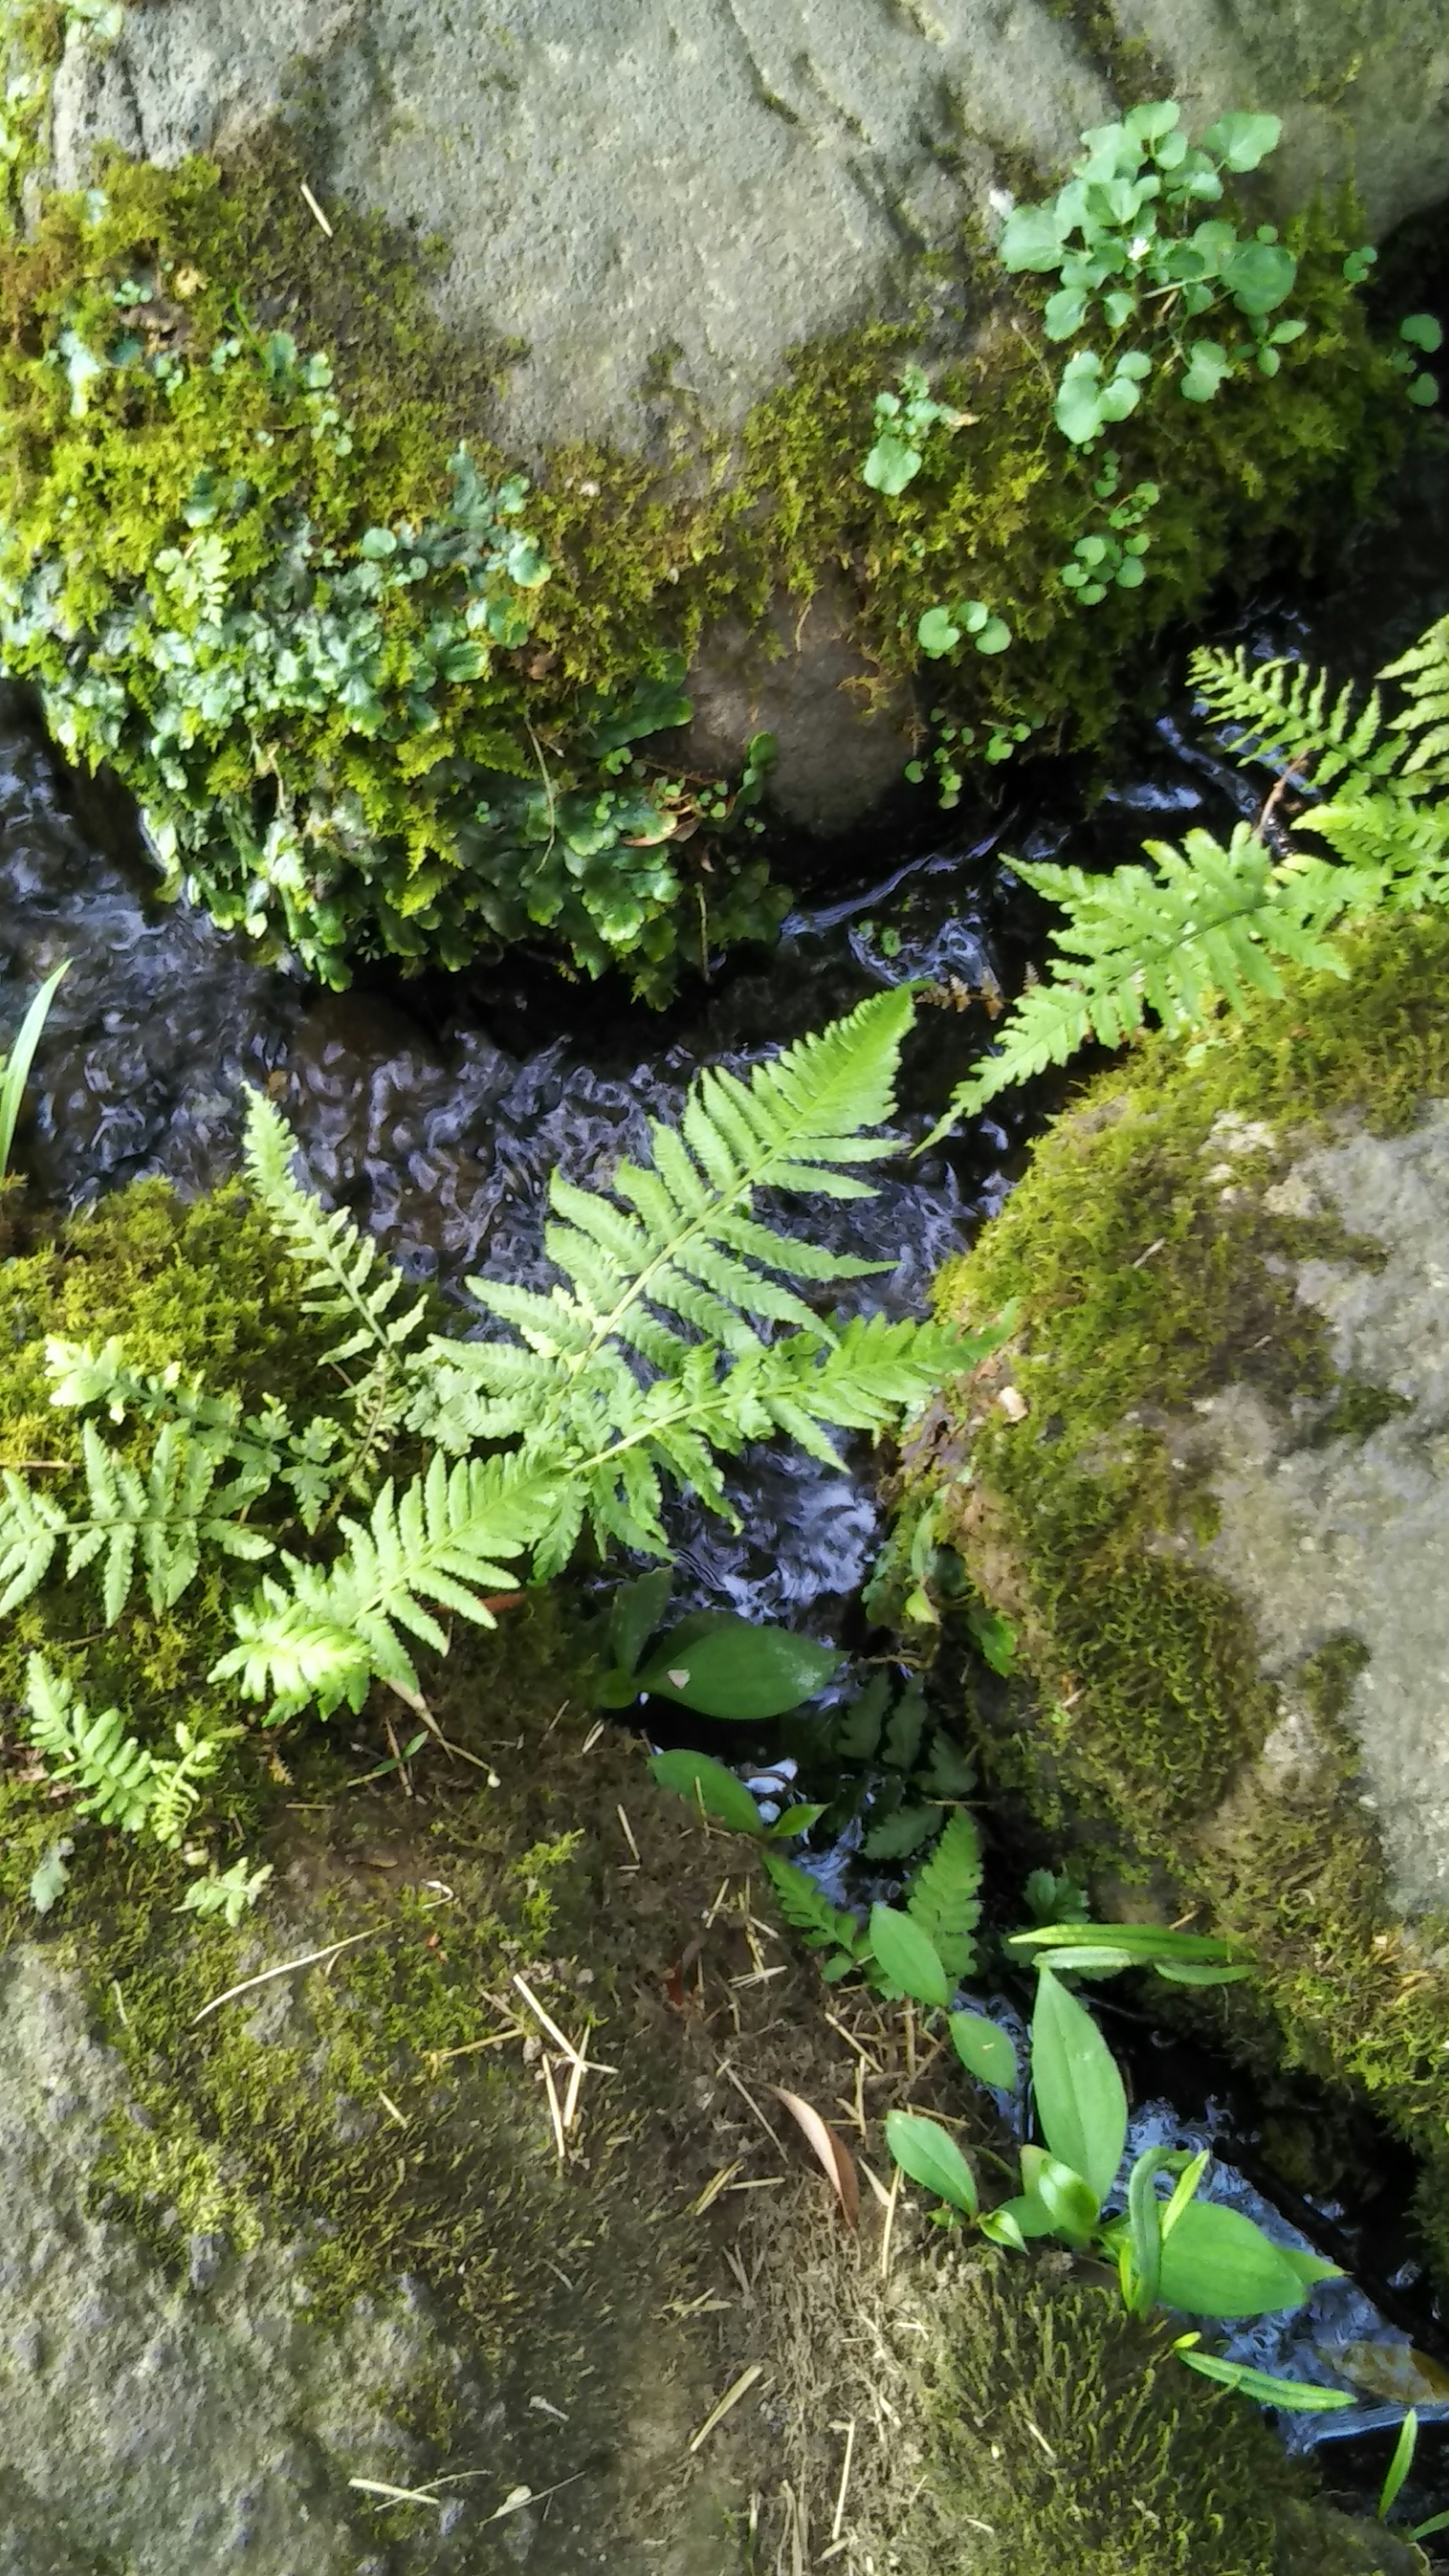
x,y
438,1110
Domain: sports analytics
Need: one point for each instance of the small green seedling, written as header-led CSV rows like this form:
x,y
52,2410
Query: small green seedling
x,y
904,421
716,1663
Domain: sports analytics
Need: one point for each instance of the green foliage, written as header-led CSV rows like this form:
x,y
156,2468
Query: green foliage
x,y
944,1898
1111,549
715,1662
120,1781
1211,928
930,2155
1102,1949
903,424
648,1362
15,1068
302,635
1134,254
228,1893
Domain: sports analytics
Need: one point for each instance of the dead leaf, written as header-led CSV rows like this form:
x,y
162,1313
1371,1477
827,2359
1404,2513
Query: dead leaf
x,y
835,2158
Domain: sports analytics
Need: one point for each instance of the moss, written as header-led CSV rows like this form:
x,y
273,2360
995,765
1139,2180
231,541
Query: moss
x,y
1149,1271
445,809
1061,2435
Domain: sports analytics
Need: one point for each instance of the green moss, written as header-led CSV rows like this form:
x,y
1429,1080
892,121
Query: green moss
x,y
1149,1271
460,793
1061,2435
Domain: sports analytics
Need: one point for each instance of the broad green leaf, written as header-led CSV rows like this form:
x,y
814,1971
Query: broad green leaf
x,y
1032,239
796,1820
1298,2396
1217,2263
985,2050
931,2157
635,1613
1080,2102
1422,332
1154,118
1015,2221
994,636
1067,2197
1207,366
1259,276
908,1956
1144,2230
892,463
717,1790
1065,313
936,634
1240,140
727,1667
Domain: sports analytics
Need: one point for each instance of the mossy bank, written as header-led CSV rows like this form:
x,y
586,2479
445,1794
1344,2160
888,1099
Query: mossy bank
x,y
381,694
369,2219
1207,1506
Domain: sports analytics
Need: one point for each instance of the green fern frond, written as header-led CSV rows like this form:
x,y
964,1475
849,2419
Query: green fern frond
x,y
164,1515
1287,718
1208,923
345,1276
944,1896
121,1783
809,1912
1424,670
451,1537
32,1526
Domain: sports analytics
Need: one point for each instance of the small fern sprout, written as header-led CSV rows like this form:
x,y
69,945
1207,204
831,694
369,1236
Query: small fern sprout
x,y
231,1893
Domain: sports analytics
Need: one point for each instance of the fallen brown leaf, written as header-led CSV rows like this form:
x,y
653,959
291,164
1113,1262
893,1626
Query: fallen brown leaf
x,y
835,2159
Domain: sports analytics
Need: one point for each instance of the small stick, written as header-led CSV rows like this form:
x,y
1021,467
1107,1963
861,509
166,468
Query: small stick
x,y
730,2399
725,2068
889,2228
629,1836
314,209
835,2528
309,1959
555,2114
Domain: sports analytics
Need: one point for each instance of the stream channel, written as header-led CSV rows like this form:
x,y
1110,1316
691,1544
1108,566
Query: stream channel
x,y
437,1110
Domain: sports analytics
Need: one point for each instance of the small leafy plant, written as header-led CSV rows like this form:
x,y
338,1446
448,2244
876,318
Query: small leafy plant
x,y
904,421
923,1949
715,1662
1136,255
1186,2252
940,630
1111,549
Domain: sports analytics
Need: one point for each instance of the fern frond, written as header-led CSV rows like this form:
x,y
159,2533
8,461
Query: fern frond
x,y
32,1526
345,1276
1286,718
1207,923
121,1782
325,1634
1424,669
809,1912
944,1896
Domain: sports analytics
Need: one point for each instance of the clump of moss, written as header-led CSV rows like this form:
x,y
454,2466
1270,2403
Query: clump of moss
x,y
1149,1271
244,572
1061,2435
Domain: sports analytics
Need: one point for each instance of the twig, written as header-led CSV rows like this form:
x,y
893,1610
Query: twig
x,y
889,2229
838,2524
308,1959
730,2399
314,209
743,2090
555,2114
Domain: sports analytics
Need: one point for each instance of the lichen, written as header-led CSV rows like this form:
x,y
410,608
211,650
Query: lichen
x,y
1148,1271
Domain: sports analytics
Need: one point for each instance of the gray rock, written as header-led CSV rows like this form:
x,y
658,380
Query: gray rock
x,y
1347,1535
712,181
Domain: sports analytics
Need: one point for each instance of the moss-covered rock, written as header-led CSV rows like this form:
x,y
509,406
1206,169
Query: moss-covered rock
x,y
1211,1507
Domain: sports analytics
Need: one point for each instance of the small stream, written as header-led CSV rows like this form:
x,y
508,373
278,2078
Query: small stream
x,y
438,1110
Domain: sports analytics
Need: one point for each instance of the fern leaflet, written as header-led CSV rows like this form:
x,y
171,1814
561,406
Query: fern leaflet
x,y
944,1896
809,1912
346,1276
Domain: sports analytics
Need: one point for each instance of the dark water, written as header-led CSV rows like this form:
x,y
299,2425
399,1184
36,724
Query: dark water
x,y
438,1111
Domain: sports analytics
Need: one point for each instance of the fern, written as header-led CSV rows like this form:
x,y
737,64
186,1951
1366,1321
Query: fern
x,y
1424,669
346,1278
1206,922
1284,715
1213,926
448,1540
165,1515
944,1896
121,1782
821,1925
